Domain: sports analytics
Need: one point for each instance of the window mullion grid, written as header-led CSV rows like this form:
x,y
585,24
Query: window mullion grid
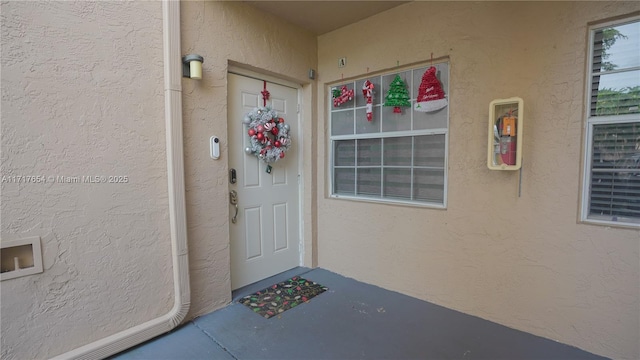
x,y
615,71
355,166
383,136
382,184
413,155
413,138
382,167
587,185
411,97
353,112
355,152
609,119
332,154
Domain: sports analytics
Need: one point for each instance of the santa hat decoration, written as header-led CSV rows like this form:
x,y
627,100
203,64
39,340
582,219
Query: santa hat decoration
x,y
367,92
430,94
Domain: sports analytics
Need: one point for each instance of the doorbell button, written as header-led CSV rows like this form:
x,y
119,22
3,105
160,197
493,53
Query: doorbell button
x,y
215,147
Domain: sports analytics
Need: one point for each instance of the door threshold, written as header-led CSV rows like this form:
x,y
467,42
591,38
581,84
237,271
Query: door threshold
x,y
264,283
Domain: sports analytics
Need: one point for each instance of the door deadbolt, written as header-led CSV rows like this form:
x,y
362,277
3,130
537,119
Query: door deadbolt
x,y
232,176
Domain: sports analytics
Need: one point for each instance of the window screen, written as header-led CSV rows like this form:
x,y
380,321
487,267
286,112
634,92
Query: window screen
x,y
395,157
612,176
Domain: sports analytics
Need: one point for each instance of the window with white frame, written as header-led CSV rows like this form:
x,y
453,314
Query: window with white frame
x,y
611,192
394,157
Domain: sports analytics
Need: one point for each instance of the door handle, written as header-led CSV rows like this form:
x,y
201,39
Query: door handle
x,y
233,199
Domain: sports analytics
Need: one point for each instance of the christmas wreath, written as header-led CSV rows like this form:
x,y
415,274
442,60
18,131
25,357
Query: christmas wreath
x,y
268,134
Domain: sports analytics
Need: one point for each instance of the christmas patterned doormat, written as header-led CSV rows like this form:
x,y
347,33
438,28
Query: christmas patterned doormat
x,y
283,296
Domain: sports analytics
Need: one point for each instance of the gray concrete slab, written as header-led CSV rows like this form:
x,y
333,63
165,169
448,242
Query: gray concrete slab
x,y
186,342
353,320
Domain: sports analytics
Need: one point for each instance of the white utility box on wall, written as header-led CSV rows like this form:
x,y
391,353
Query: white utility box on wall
x,y
504,149
20,258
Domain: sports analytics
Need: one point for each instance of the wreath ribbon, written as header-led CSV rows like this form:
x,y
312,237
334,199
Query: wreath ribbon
x,y
265,94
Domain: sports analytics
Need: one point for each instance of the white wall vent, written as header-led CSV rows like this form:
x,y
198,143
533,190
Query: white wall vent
x,y
20,258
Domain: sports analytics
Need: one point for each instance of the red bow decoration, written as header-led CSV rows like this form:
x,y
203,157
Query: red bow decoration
x,y
265,95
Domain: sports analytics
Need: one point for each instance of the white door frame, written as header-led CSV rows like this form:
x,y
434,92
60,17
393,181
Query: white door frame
x,y
299,138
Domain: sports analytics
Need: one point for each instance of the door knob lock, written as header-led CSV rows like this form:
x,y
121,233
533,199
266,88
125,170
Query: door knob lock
x,y
233,199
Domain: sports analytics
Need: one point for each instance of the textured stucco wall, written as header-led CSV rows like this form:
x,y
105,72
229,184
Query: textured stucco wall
x,y
224,32
538,270
82,94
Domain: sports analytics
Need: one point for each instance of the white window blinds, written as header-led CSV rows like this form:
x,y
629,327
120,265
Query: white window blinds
x,y
615,171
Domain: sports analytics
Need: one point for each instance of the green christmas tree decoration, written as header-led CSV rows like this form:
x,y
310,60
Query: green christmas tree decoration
x,y
397,95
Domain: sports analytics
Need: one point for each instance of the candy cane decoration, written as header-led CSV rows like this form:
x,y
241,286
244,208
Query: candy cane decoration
x,y
367,91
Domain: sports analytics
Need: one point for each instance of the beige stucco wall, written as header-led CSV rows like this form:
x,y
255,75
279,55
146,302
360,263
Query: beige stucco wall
x,y
82,94
224,32
524,261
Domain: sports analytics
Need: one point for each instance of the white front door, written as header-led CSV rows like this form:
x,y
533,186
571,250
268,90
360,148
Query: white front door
x,y
265,238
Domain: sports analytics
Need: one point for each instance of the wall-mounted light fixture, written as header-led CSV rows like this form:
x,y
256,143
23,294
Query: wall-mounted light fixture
x,y
192,66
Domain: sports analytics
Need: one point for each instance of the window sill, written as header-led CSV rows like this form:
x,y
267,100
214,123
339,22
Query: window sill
x,y
612,221
387,201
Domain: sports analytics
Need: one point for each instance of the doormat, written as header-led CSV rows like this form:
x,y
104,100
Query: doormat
x,y
283,296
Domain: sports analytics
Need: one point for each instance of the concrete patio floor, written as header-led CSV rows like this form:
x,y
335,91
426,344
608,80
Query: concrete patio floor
x,y
352,320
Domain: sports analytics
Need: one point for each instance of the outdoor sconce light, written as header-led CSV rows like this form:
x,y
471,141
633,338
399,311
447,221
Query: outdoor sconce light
x,y
192,66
